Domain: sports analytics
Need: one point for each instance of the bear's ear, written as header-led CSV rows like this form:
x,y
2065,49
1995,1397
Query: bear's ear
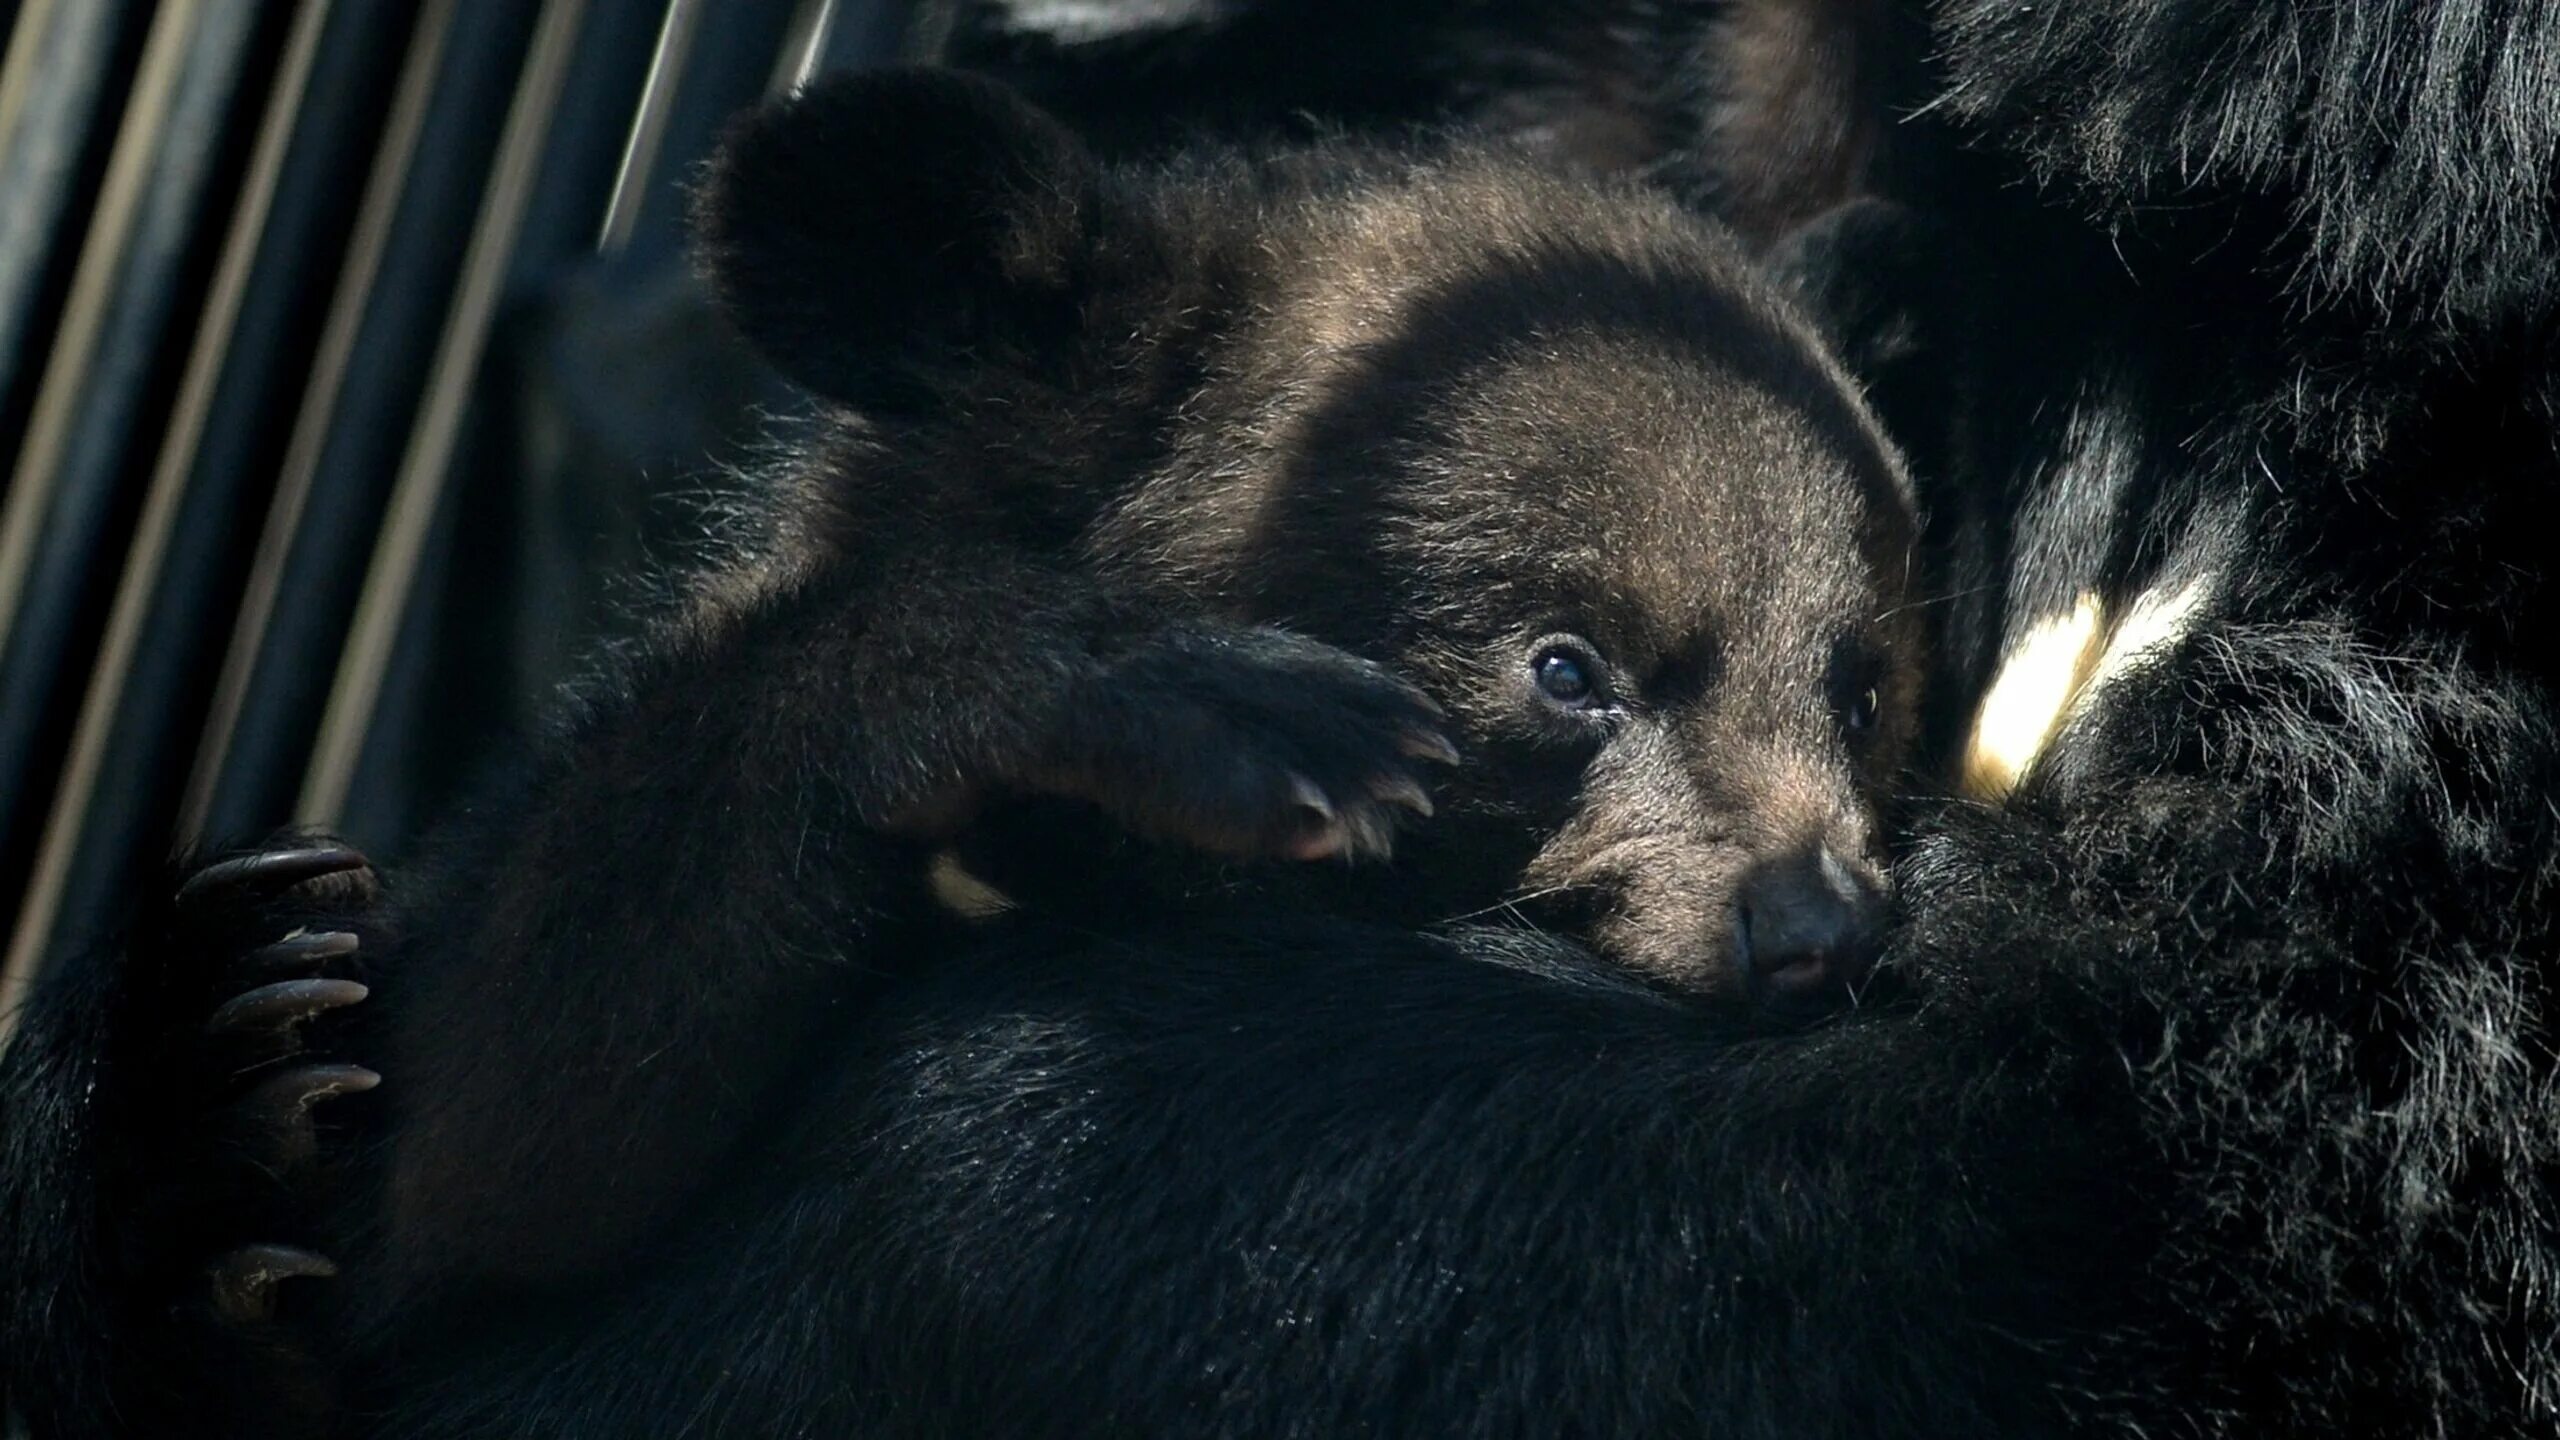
x,y
1867,272
1891,290
870,233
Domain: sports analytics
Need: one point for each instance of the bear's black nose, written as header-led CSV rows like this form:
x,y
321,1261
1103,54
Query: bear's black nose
x,y
1807,927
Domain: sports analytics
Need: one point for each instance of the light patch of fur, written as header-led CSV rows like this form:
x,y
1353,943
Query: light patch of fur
x,y
962,893
2158,618
2030,695
2055,672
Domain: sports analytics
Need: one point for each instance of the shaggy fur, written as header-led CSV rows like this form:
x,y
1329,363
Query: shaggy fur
x,y
2247,304
2218,1097
2412,150
1095,434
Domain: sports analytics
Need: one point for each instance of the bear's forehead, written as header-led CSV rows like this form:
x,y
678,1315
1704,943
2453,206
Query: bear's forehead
x,y
1664,581
1679,485
1524,421
1649,454
1742,594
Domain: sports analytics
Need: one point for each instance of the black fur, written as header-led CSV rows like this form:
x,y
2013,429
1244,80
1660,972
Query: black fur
x,y
150,1130
2217,1100
2411,153
1116,428
2258,292
2156,290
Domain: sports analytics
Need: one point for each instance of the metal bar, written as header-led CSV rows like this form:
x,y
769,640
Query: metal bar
x,y
649,124
18,66
52,83
425,468
805,46
376,404
232,472
74,477
727,66
47,98
456,664
152,532
345,323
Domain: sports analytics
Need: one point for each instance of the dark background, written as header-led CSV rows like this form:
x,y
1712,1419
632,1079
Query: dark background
x,y
348,368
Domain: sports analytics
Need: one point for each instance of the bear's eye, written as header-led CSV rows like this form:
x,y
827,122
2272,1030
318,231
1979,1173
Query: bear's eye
x,y
1861,714
1856,686
1567,675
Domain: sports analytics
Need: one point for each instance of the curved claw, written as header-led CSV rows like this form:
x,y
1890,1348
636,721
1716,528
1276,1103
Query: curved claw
x,y
295,1091
284,1003
304,952
270,871
280,1107
1368,834
244,1281
1428,745
1404,791
1309,797
1319,830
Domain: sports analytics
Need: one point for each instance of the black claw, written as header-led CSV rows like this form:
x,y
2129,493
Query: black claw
x,y
270,871
244,1280
303,952
287,1002
280,1107
296,1091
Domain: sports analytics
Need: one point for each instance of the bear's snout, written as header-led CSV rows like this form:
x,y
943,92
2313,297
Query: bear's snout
x,y
1807,927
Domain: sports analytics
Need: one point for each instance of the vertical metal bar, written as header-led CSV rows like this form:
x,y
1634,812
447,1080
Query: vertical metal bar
x,y
649,124
372,236
51,83
727,65
152,532
805,47
30,489
426,465
75,480
18,65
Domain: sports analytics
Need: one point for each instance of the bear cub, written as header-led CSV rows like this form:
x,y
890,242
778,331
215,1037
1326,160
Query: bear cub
x,y
1551,453
1256,506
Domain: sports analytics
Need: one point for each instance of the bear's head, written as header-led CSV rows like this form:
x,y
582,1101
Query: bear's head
x,y
1553,450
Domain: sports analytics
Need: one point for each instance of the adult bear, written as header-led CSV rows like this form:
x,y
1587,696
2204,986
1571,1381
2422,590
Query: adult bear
x,y
2218,1100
